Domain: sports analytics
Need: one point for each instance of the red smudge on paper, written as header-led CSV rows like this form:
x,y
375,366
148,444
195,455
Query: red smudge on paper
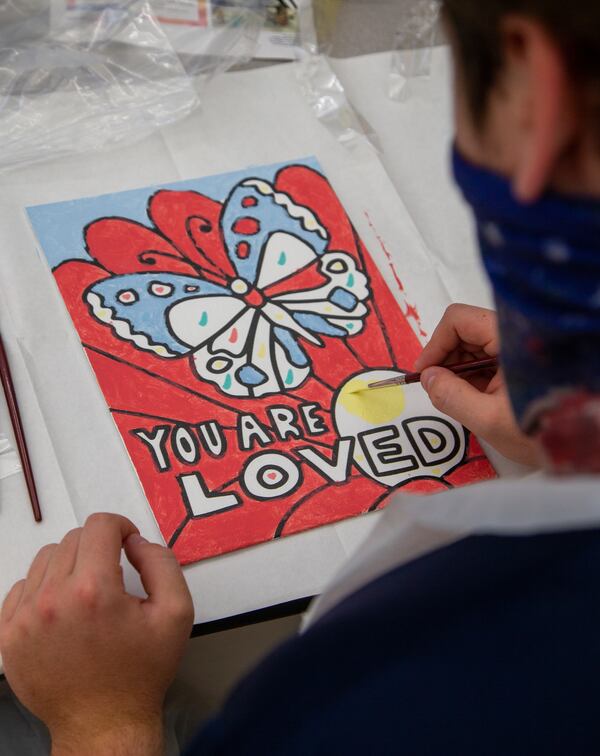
x,y
411,310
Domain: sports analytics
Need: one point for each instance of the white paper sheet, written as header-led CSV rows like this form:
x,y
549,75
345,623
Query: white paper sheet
x,y
248,118
9,459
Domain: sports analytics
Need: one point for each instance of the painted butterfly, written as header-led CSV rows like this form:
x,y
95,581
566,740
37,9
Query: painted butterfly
x,y
244,332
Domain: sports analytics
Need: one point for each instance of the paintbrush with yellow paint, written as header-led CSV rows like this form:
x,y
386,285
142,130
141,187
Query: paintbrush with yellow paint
x,y
458,368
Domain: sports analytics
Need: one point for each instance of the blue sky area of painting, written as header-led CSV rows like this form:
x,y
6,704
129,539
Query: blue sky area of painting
x,y
59,225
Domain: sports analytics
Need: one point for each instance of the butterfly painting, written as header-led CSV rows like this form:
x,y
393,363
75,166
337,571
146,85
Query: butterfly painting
x,y
228,320
243,317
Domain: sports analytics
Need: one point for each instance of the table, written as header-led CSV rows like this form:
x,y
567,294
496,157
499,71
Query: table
x,y
76,451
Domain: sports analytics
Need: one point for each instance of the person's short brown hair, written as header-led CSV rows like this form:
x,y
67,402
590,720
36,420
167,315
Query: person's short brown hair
x,y
475,26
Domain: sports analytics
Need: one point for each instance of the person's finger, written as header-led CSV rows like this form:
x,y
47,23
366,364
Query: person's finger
x,y
38,570
100,543
159,570
460,400
460,324
497,383
12,601
64,556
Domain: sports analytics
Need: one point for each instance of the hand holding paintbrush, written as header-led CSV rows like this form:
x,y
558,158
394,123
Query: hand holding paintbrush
x,y
478,399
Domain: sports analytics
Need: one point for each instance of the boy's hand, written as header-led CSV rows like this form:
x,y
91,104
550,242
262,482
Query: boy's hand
x,y
90,660
479,401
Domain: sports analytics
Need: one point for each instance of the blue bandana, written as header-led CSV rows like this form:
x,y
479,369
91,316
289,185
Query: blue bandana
x,y
543,260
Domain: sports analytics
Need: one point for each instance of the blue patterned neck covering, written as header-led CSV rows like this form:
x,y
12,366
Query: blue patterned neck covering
x,y
543,260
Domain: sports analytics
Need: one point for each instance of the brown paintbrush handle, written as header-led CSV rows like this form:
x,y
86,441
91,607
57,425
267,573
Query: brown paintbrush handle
x,y
15,418
490,363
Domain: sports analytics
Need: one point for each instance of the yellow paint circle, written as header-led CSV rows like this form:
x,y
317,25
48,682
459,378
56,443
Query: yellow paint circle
x,y
376,406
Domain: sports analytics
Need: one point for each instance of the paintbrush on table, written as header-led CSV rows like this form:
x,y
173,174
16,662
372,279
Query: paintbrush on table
x,y
458,368
15,418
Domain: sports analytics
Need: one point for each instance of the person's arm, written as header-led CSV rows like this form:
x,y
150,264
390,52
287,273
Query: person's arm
x,y
90,660
479,402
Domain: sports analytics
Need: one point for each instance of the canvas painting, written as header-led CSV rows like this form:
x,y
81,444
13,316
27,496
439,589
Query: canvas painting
x,y
230,321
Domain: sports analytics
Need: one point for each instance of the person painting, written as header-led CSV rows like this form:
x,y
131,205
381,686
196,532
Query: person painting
x,y
486,644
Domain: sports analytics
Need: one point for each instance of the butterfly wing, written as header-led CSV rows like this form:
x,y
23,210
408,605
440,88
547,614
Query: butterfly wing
x,y
268,236
337,307
273,241
164,313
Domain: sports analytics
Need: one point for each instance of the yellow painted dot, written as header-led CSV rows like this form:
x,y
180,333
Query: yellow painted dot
x,y
328,308
279,316
376,407
160,350
263,187
218,364
262,350
436,471
359,457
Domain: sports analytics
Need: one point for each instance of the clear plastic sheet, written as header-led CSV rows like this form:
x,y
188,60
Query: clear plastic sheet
x,y
84,83
416,34
340,29
225,34
322,88
78,76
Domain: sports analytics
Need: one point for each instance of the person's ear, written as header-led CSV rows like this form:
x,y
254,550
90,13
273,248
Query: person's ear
x,y
546,104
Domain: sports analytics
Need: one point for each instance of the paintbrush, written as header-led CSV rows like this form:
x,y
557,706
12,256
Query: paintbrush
x,y
458,368
15,417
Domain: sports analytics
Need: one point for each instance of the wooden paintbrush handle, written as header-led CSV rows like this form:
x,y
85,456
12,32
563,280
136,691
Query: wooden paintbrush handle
x,y
15,418
490,363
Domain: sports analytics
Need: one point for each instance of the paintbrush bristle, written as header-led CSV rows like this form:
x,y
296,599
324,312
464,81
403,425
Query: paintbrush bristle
x,y
399,381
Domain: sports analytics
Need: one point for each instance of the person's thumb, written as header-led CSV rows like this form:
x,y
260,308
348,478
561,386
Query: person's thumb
x,y
159,570
457,398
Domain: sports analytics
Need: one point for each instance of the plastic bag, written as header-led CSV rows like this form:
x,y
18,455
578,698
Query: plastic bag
x,y
77,75
85,82
321,86
415,38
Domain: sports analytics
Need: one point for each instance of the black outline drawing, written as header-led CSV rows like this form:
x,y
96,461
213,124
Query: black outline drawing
x,y
151,258
135,432
405,425
291,424
333,462
288,457
175,448
261,427
393,435
208,494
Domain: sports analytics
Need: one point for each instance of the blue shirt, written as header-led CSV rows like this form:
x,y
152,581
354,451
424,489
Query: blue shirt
x,y
487,647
